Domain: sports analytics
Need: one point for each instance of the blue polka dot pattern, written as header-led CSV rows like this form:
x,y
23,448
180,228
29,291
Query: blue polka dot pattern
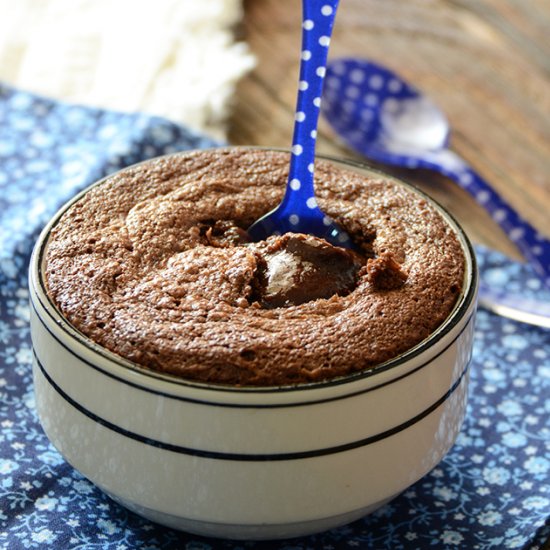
x,y
298,212
384,118
490,492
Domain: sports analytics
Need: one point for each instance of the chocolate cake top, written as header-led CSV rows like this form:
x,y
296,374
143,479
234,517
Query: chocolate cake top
x,y
155,265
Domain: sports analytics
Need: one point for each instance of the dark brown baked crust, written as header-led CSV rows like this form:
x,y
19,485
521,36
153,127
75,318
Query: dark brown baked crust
x,y
133,265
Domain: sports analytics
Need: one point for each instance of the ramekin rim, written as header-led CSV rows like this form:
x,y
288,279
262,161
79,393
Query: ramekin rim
x,y
465,302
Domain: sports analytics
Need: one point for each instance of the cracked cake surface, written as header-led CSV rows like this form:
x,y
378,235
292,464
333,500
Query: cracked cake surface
x,y
155,265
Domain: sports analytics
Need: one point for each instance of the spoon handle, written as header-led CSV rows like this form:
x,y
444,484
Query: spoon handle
x,y
298,212
317,22
532,244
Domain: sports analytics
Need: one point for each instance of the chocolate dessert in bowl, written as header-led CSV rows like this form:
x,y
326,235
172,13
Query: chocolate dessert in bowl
x,y
250,389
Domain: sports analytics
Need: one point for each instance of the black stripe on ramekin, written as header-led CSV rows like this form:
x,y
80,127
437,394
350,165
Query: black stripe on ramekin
x,y
242,405
241,457
451,322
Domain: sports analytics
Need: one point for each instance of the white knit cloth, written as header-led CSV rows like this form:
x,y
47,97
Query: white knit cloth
x,y
173,58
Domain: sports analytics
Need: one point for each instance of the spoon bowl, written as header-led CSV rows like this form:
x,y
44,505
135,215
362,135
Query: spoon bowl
x,y
393,115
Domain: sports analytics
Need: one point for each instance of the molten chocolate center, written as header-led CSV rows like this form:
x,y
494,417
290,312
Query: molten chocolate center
x,y
298,268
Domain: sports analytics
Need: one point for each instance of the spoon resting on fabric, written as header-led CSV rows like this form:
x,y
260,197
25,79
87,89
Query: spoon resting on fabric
x,y
384,118
298,212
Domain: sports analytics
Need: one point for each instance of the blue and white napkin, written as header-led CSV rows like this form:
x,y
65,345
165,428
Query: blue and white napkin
x,y
492,491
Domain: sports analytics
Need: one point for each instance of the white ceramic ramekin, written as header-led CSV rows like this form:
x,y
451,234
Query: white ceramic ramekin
x,y
250,463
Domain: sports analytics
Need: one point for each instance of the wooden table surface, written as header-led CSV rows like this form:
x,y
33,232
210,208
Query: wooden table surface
x,y
485,62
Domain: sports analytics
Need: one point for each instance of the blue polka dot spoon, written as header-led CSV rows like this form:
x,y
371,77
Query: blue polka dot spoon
x,y
381,116
298,212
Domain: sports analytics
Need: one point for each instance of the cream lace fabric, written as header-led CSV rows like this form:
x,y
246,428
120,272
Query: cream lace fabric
x,y
173,58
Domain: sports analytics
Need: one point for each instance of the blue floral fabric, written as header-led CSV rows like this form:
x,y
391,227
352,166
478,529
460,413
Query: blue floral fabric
x,y
492,491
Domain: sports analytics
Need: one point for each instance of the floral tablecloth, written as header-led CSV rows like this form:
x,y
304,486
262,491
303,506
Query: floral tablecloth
x,y
492,491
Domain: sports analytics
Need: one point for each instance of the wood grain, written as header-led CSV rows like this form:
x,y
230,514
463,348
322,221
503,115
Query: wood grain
x,y
485,62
